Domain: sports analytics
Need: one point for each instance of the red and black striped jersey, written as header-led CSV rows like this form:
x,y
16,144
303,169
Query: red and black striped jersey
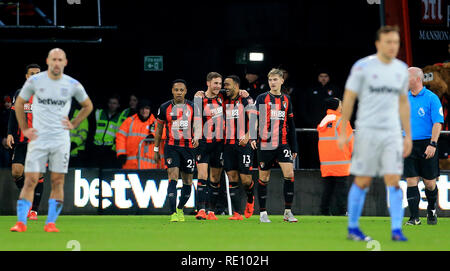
x,y
179,119
213,118
274,112
237,114
13,125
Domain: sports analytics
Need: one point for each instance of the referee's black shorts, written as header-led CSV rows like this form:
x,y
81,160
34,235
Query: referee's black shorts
x,y
416,165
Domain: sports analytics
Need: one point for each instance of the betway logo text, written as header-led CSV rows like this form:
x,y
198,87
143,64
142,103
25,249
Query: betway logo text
x,y
115,192
52,102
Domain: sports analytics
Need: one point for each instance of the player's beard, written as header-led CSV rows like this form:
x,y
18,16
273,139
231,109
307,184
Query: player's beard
x,y
56,71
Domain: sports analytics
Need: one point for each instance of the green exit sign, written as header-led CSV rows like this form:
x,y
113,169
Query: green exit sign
x,y
153,63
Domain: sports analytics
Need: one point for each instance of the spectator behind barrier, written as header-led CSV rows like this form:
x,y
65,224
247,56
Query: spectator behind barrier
x,y
104,146
131,133
334,162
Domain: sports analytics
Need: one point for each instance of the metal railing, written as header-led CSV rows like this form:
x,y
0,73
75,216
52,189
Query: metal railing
x,y
309,130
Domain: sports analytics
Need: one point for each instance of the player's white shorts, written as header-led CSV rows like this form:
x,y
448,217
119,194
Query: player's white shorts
x,y
377,153
56,152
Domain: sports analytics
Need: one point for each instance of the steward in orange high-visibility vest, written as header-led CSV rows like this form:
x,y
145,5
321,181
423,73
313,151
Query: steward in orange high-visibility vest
x,y
132,131
334,161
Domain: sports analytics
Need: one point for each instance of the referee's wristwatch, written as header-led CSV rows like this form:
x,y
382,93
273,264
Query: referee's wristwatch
x,y
156,149
433,143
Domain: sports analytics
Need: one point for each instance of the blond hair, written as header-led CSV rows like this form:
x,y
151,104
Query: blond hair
x,y
275,71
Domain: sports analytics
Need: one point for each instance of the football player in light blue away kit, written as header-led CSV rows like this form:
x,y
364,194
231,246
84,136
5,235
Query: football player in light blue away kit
x,y
50,136
380,82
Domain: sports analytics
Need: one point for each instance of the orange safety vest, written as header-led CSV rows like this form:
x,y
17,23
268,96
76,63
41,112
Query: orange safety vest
x,y
334,161
130,135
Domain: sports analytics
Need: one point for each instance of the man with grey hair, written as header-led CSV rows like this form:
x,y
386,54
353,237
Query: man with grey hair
x,y
426,124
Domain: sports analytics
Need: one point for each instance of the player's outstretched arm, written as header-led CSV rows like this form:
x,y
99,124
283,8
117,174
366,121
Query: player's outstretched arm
x,y
347,110
86,109
158,136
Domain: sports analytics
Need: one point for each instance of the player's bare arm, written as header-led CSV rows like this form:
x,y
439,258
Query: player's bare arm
x,y
406,125
86,109
347,110
29,133
158,135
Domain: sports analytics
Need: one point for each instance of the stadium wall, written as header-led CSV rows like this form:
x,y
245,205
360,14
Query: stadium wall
x,y
143,192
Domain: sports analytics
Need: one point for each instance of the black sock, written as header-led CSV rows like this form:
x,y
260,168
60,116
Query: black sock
x,y
431,198
234,195
172,195
413,196
20,182
262,195
288,190
38,194
202,194
214,191
249,192
185,195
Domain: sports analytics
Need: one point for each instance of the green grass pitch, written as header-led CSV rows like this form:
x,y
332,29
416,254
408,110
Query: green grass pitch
x,y
146,233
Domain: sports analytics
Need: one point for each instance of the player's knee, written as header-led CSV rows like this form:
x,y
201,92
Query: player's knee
x,y
202,173
246,181
30,183
16,174
264,176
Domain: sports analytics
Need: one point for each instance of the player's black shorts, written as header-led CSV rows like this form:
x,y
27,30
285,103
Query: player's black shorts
x,y
211,153
416,165
19,153
236,157
267,158
180,157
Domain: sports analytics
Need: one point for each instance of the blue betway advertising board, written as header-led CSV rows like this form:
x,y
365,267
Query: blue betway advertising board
x,y
128,192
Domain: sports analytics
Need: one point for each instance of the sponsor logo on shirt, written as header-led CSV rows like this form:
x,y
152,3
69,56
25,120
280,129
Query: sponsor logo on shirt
x,y
50,101
277,115
384,89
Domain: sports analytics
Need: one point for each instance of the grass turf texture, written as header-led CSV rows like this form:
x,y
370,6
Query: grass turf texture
x,y
143,233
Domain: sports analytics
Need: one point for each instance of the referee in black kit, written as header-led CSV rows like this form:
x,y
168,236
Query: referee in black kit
x,y
426,124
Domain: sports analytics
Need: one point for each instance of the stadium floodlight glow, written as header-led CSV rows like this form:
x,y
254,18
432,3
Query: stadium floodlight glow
x,y
256,56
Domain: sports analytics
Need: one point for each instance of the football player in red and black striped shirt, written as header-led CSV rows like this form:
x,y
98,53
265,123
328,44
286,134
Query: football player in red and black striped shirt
x,y
237,153
17,141
277,142
179,117
210,150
